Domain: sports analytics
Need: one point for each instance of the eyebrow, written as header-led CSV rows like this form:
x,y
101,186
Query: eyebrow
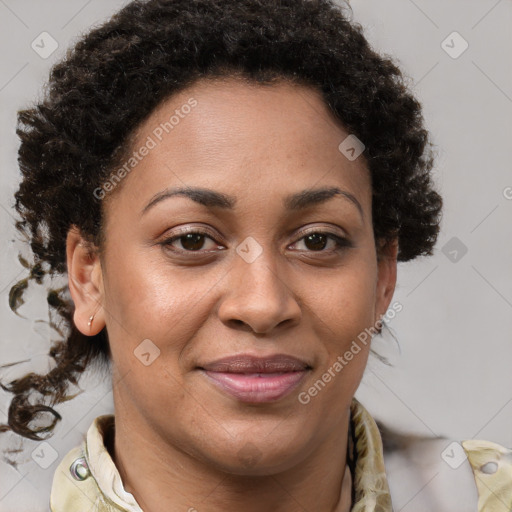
x,y
294,202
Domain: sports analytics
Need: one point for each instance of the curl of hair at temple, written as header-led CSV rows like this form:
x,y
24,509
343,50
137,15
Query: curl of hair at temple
x,y
118,73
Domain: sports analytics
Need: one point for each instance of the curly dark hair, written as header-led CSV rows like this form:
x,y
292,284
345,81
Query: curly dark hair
x,y
118,73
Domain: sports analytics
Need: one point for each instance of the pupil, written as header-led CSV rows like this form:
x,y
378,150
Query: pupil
x,y
315,238
192,241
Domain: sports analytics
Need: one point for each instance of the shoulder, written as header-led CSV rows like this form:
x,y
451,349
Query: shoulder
x,y
431,474
441,474
75,486
70,492
492,466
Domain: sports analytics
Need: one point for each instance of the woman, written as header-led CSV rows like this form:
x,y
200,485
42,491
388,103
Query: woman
x,y
228,186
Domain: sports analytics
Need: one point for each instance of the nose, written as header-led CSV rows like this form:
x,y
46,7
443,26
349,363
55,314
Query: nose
x,y
259,299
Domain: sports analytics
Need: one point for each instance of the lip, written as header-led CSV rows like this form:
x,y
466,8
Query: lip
x,y
256,379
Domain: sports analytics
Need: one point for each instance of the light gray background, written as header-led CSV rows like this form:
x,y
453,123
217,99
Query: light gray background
x,y
453,374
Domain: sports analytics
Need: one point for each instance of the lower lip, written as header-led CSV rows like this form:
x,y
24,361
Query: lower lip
x,y
256,388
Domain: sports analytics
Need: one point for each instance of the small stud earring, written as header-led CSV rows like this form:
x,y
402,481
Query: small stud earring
x,y
90,320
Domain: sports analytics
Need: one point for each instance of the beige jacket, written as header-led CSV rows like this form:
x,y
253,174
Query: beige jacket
x,y
431,476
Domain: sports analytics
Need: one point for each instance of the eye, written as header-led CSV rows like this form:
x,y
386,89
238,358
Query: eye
x,y
314,241
190,241
317,241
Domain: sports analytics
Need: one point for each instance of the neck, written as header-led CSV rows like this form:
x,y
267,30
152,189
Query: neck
x,y
162,477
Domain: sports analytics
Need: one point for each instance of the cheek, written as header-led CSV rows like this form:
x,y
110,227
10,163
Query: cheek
x,y
347,304
149,323
345,314
146,299
139,288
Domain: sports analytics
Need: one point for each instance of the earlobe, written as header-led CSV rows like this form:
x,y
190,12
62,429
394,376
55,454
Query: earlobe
x,y
85,283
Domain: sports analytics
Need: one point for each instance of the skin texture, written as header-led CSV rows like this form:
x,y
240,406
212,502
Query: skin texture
x,y
181,443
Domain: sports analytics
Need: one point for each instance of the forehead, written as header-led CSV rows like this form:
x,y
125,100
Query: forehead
x,y
245,139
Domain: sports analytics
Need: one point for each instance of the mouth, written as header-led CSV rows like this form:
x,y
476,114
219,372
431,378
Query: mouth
x,y
256,379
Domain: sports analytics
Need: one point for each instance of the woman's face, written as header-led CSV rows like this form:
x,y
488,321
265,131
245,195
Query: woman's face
x,y
226,303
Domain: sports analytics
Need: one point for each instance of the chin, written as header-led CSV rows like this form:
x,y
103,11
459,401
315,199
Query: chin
x,y
253,458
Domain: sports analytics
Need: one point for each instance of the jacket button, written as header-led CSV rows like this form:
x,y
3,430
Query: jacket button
x,y
79,469
490,468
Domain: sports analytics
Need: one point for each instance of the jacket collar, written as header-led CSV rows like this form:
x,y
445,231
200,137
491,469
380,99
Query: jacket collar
x,y
88,475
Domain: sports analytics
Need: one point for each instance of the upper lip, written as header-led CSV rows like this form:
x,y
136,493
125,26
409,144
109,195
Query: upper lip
x,y
244,363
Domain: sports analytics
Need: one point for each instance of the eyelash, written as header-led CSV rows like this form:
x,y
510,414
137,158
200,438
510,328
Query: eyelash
x,y
341,242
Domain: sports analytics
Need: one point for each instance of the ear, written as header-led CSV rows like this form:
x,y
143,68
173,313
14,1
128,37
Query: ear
x,y
386,280
85,283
